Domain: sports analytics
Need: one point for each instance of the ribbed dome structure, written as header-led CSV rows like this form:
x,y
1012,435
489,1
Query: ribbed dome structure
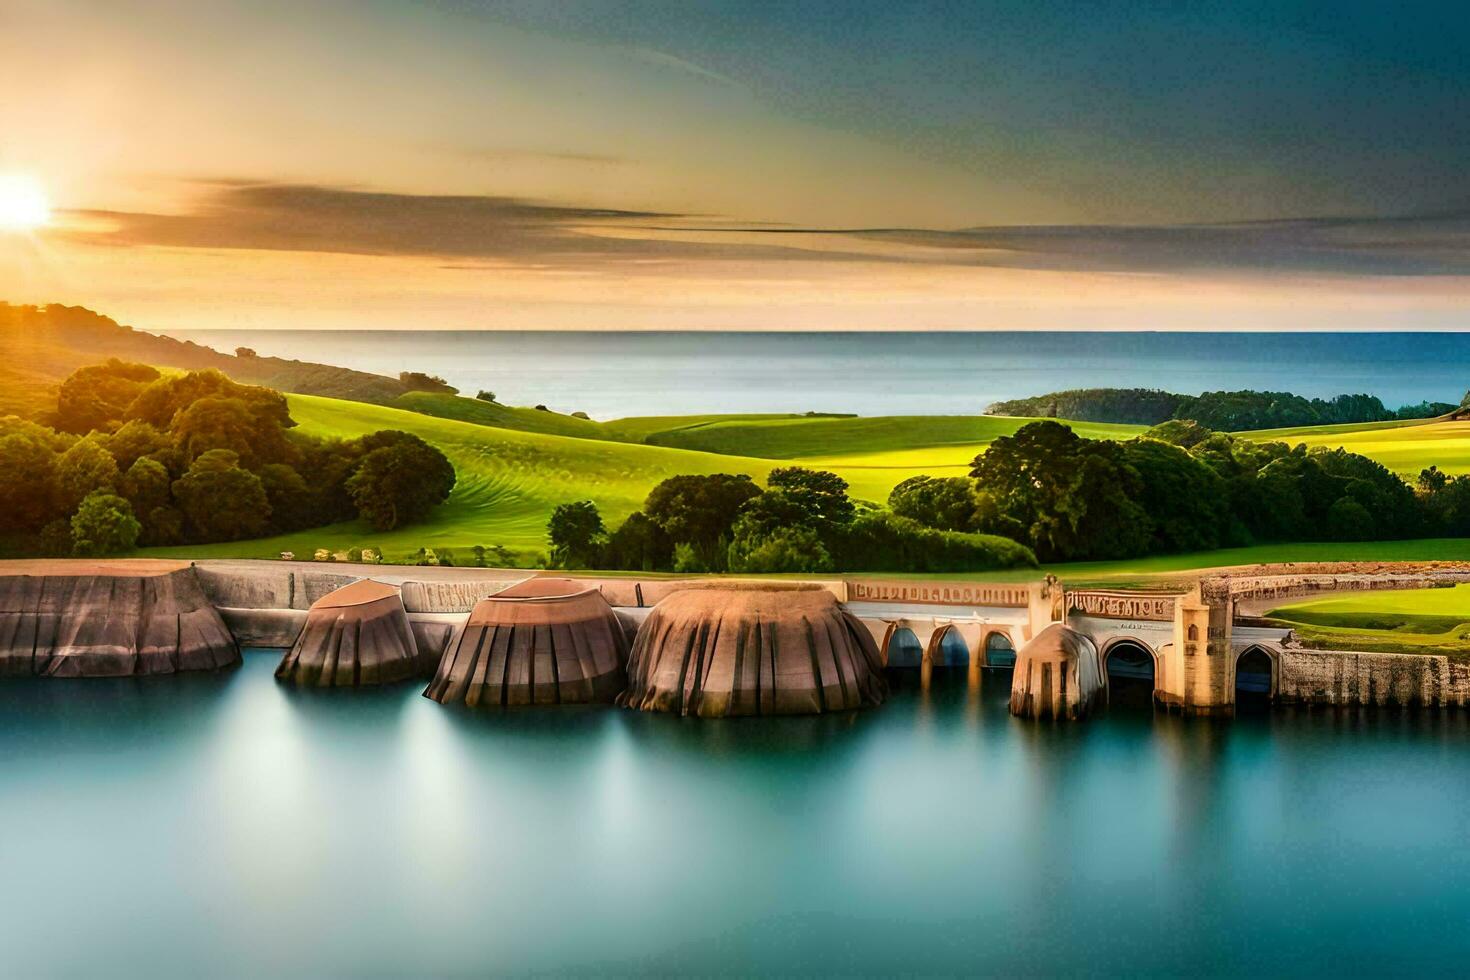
x,y
1057,675
720,652
542,641
357,635
109,619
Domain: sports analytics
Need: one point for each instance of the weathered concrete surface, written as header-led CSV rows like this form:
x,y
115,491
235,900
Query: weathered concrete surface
x,y
718,652
1057,675
357,635
1386,679
264,627
75,619
545,641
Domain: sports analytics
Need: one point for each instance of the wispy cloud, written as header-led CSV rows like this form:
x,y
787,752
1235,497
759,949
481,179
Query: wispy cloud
x,y
1416,245
247,214
238,214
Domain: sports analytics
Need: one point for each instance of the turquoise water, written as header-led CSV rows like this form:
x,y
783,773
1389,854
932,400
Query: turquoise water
x,y
226,825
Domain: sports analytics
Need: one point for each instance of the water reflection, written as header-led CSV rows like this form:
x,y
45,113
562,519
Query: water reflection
x,y
227,819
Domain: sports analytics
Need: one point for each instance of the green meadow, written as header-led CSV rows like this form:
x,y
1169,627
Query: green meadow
x,y
1404,447
516,464
1408,621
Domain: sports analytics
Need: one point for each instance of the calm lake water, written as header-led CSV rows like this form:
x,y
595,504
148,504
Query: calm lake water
x,y
611,375
224,824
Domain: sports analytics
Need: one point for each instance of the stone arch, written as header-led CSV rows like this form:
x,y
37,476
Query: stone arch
x,y
901,640
1261,684
944,647
1136,667
998,649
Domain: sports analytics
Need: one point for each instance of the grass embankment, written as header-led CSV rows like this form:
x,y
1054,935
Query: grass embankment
x,y
1425,621
1404,447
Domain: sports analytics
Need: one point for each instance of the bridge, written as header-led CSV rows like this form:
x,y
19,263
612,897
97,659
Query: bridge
x,y
1186,646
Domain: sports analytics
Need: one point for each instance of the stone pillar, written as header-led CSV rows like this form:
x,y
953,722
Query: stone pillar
x,y
1194,670
1045,604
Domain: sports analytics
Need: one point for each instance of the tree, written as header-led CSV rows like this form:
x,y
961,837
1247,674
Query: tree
x,y
486,396
28,486
291,498
97,396
1076,498
135,440
820,494
1348,520
217,422
698,511
245,352
104,525
82,469
1185,500
638,545
400,479
948,503
419,381
146,485
220,501
158,403
576,534
786,549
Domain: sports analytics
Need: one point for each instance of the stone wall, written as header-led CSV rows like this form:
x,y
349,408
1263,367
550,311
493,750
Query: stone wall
x,y
1340,677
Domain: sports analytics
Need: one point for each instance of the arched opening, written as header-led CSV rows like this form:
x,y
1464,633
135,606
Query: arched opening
x,y
952,650
904,649
1254,680
1130,669
999,652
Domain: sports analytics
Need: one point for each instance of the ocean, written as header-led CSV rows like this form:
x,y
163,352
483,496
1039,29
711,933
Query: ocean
x,y
618,374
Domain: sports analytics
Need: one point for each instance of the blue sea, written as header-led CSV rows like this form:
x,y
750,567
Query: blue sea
x,y
617,374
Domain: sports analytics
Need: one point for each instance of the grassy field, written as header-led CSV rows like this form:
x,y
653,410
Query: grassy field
x,y
509,482
1405,448
958,438
1408,621
513,474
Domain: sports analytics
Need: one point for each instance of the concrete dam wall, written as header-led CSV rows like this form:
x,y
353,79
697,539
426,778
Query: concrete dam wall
x,y
133,617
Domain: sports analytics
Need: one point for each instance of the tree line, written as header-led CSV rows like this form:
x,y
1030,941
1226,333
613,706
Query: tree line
x,y
1179,487
803,520
133,457
1226,411
1041,493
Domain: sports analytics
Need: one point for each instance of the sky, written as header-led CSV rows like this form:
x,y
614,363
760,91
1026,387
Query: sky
x,y
848,165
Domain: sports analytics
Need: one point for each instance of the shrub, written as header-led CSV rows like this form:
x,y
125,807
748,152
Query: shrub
x,y
789,549
104,525
885,542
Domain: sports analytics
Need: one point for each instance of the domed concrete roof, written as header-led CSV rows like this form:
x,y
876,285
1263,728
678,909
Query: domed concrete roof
x,y
721,651
543,641
356,635
1057,675
108,619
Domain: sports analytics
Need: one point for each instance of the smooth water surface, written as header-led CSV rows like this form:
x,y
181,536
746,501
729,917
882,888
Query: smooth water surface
x,y
224,824
618,374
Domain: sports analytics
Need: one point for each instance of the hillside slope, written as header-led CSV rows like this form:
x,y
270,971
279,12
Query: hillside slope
x,y
40,346
509,482
796,438
1404,448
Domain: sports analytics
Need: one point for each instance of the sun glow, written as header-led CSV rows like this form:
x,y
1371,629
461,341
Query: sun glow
x,y
23,203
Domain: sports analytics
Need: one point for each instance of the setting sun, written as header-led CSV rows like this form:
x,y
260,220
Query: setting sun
x,y
23,204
